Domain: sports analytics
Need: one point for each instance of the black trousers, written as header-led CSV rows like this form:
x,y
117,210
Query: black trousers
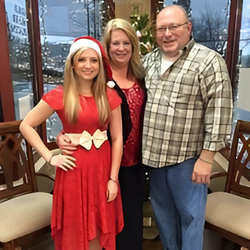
x,y
132,189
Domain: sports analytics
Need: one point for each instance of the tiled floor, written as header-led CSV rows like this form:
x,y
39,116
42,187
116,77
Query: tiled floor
x,y
211,242
48,245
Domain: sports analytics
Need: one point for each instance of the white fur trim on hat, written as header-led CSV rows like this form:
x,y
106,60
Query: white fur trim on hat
x,y
81,43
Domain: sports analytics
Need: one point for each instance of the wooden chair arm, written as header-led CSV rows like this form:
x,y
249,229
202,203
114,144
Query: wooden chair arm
x,y
45,175
217,174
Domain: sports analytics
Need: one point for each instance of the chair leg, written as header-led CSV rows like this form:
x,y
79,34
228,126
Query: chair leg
x,y
9,245
237,247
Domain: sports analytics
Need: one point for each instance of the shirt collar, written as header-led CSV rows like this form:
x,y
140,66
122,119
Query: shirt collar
x,y
189,45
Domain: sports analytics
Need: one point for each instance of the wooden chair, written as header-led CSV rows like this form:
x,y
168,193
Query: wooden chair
x,y
45,173
24,213
228,213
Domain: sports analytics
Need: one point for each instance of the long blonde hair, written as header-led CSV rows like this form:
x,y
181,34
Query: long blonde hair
x,y
121,24
71,90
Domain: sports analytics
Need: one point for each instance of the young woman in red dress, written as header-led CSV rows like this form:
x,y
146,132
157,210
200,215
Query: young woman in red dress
x,y
122,47
87,209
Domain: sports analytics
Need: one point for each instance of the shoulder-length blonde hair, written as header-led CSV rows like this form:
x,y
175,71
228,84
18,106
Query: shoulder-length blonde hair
x,y
71,90
121,24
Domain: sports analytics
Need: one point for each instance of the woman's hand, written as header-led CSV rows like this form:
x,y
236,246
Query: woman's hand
x,y
64,162
65,144
112,190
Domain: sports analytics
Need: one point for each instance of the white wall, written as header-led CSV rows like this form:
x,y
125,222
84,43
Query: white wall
x,y
124,8
243,101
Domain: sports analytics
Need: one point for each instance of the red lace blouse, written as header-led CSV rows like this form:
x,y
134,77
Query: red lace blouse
x,y
132,148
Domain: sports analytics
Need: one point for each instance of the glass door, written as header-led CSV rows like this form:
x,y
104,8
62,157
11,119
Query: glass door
x,y
242,101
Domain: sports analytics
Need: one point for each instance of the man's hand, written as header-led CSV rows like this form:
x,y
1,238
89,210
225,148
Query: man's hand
x,y
201,172
65,144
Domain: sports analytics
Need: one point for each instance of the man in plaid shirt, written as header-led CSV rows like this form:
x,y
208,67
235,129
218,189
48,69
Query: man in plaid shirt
x,y
187,119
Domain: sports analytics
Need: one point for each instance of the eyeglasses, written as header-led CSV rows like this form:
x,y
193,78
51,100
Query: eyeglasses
x,y
172,28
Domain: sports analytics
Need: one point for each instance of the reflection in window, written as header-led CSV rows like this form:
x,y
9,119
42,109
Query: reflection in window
x,y
244,55
242,107
210,28
60,23
19,51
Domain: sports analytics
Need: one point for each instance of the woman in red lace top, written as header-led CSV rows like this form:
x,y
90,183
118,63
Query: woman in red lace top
x,y
122,47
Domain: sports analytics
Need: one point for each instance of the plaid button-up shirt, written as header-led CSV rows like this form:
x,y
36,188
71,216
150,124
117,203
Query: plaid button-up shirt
x,y
189,107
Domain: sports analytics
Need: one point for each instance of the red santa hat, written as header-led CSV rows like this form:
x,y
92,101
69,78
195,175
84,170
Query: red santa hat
x,y
92,43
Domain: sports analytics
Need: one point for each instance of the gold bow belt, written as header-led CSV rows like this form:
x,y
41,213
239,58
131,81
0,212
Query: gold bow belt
x,y
86,140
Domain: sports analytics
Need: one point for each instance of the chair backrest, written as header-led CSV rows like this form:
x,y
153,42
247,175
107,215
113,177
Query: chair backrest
x,y
239,162
17,174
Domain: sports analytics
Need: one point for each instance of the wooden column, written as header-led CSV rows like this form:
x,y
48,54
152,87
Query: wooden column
x,y
234,27
7,110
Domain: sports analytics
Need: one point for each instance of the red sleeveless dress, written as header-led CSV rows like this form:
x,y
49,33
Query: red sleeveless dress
x,y
79,199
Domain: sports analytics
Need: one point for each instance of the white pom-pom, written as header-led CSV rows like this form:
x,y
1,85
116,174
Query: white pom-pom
x,y
138,33
111,84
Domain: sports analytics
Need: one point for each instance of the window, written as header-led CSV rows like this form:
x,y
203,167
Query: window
x,y
61,22
210,22
19,53
242,105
